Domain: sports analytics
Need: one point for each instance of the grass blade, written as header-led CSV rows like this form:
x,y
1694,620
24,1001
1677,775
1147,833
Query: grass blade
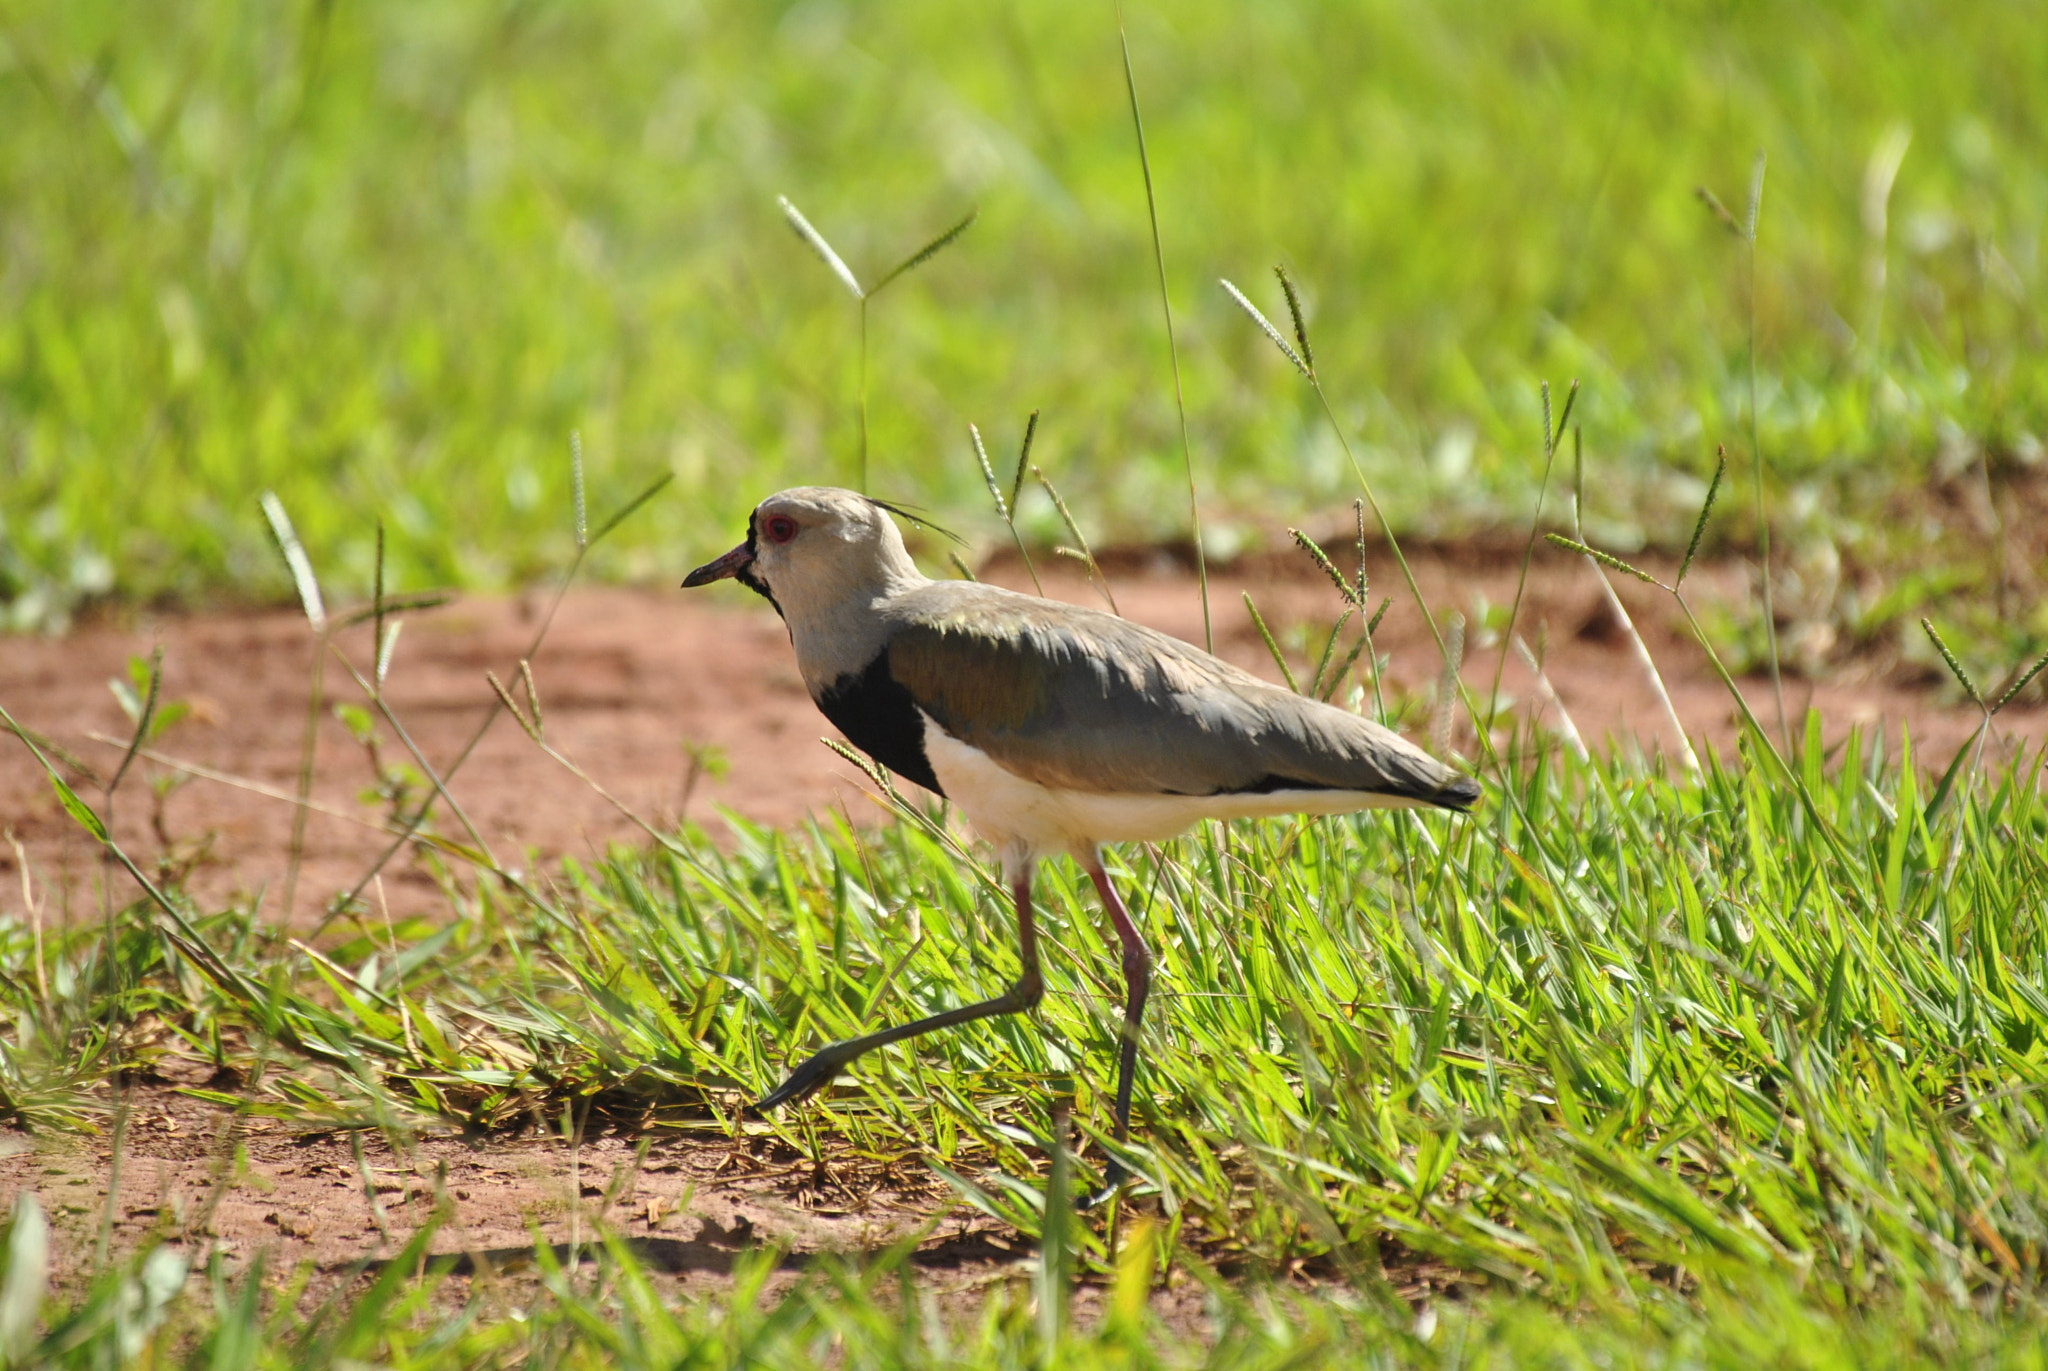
x,y
576,484
1023,458
626,510
1279,660
1606,559
927,252
1265,325
817,243
1294,312
988,475
1187,449
1085,553
1327,567
1955,667
1699,527
2021,684
296,561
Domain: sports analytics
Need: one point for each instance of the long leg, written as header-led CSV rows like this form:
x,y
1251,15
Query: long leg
x,y
1137,983
1023,995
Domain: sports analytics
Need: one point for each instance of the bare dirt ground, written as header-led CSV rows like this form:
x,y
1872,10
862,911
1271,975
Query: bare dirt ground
x,y
628,677
204,1179
691,1207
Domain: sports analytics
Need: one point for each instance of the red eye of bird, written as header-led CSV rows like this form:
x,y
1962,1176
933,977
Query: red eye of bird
x,y
780,528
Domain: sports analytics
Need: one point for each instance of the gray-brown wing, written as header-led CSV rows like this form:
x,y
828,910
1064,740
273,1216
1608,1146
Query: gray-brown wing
x,y
1077,699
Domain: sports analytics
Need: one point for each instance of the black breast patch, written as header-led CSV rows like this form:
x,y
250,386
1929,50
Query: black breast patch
x,y
878,715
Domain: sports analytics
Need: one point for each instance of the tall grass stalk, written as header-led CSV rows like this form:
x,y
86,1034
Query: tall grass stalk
x,y
862,295
1006,509
1598,563
1752,212
1180,403
1551,435
301,568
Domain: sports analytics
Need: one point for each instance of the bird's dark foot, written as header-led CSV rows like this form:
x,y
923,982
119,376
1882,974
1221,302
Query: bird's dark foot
x,y
1113,1178
809,1078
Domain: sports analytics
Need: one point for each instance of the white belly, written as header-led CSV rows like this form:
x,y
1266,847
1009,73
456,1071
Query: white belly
x,y
1011,811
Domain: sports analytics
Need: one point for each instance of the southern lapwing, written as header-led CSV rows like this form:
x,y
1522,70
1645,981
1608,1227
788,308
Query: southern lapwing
x,y
1054,728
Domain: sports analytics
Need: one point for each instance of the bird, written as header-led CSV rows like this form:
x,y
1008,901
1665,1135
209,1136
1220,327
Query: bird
x,y
1055,729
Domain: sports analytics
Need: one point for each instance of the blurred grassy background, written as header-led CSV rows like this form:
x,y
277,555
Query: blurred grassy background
x,y
384,257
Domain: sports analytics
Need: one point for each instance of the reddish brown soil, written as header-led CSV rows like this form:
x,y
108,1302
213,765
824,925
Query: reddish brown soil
x,y
206,1181
629,676
202,1178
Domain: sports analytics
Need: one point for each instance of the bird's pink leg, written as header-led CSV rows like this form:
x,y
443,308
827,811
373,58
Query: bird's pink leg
x,y
1137,984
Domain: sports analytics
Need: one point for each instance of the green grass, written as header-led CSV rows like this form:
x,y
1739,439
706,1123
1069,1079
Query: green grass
x,y
383,258
1669,1070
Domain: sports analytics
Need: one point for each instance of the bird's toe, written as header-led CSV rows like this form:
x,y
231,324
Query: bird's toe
x,y
1113,1177
806,1080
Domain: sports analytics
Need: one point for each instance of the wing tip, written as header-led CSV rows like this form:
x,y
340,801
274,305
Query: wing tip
x,y
1460,794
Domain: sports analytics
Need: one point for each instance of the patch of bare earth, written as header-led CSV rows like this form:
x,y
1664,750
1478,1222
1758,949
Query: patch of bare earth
x,y
690,1207
629,676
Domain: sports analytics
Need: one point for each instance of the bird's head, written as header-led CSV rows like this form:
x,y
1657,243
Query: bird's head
x,y
811,548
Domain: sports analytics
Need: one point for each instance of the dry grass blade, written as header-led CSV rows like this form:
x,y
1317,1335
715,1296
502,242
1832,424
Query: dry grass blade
x,y
1550,436
540,726
387,643
301,568
296,561
1447,686
1699,527
1544,688
1265,325
927,252
817,243
1955,667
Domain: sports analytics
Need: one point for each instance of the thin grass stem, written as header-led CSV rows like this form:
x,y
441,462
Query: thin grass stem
x,y
1756,451
1187,450
1550,437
